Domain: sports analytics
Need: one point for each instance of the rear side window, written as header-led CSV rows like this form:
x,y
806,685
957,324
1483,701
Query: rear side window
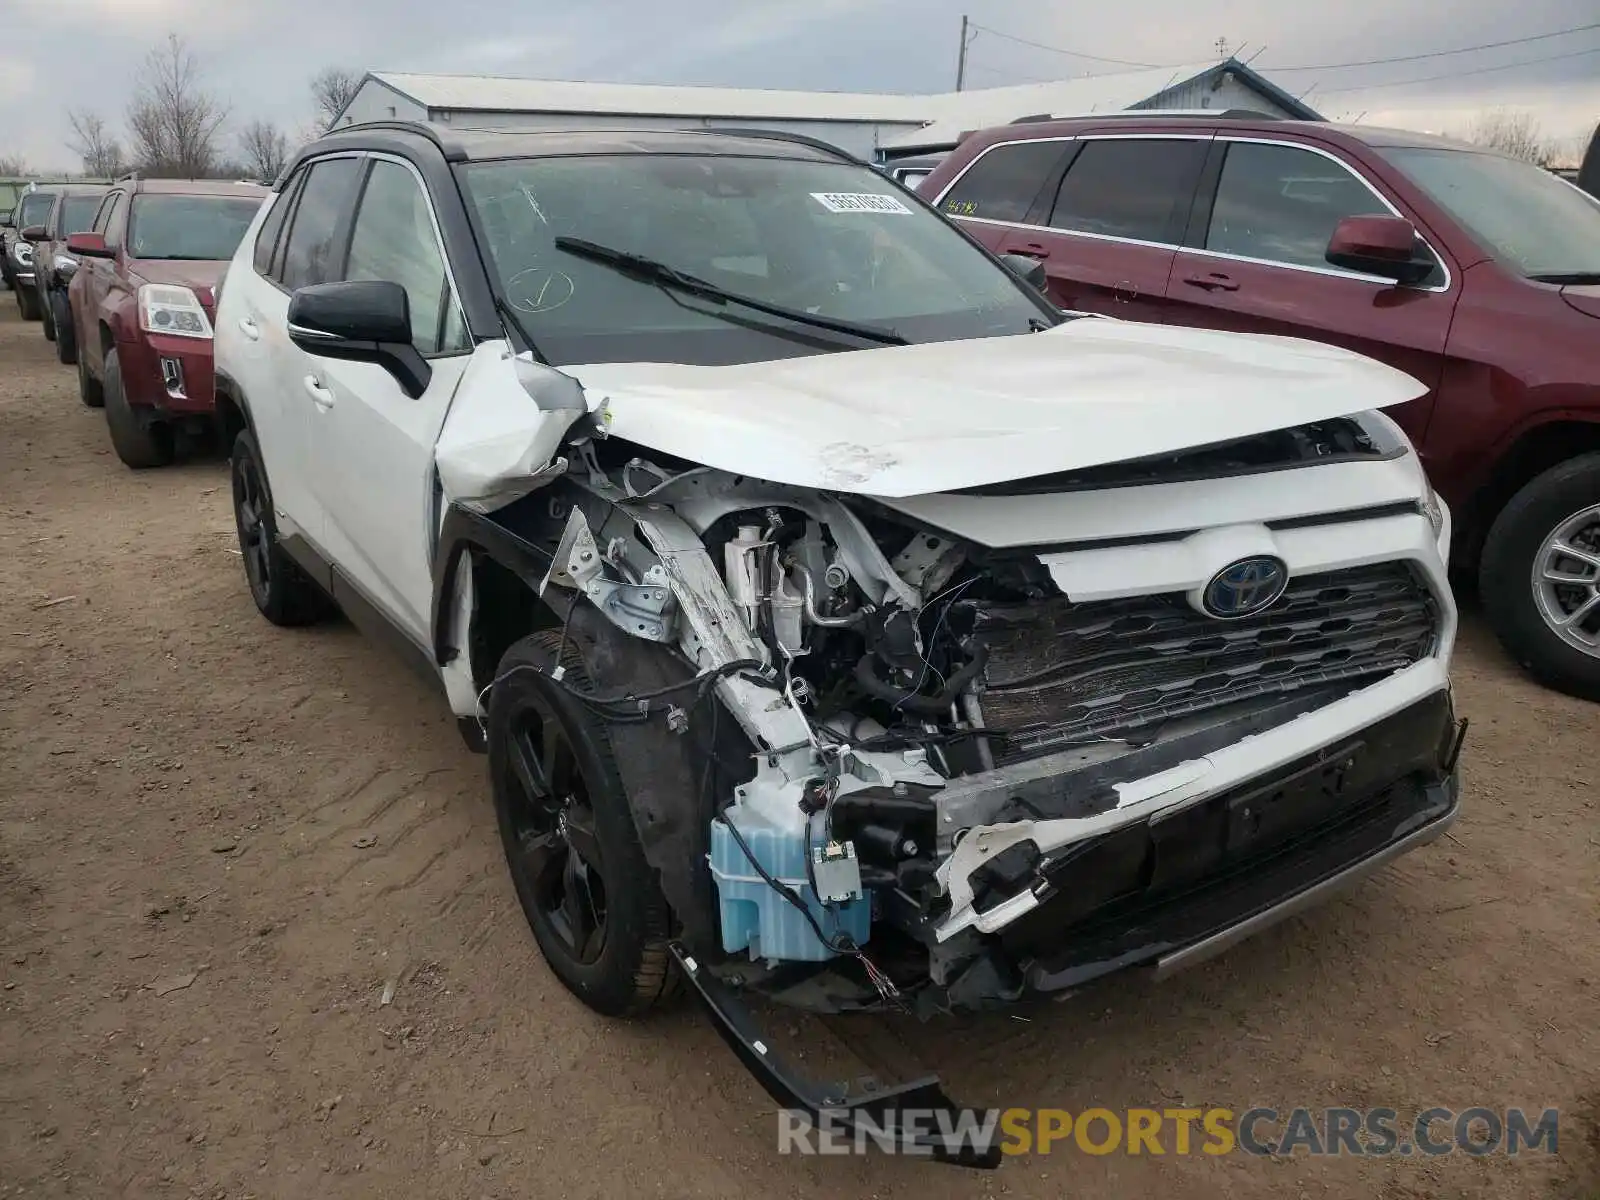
x,y
1003,184
1130,188
1282,204
267,236
311,255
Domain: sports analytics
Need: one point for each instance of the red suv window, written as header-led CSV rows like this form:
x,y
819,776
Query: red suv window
x,y
1003,183
1130,187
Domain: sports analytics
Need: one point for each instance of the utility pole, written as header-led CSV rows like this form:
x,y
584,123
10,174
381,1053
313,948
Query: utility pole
x,y
961,58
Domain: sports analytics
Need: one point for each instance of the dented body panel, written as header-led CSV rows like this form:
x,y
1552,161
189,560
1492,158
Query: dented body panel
x,y
917,420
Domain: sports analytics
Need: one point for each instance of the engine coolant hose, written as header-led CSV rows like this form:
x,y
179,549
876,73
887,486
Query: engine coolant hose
x,y
927,706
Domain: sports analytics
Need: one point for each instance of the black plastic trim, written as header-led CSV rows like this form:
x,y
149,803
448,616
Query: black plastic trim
x,y
361,611
737,1026
461,533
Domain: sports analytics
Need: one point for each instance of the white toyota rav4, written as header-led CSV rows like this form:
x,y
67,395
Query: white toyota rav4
x,y
843,623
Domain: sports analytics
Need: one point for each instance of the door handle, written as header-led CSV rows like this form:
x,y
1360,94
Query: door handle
x,y
250,329
320,396
1029,250
1214,282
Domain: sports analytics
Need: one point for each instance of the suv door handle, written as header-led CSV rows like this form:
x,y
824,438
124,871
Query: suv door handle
x,y
250,329
1028,250
320,396
1214,282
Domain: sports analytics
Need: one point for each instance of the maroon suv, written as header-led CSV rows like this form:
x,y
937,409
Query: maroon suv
x,y
1475,273
142,303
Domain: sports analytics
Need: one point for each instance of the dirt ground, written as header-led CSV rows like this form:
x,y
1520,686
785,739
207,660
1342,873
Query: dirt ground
x,y
219,841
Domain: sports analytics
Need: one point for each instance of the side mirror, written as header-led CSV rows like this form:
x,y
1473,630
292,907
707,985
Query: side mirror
x,y
1027,268
367,321
1383,246
34,233
89,245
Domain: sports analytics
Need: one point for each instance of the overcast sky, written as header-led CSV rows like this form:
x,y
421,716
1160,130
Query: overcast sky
x,y
258,56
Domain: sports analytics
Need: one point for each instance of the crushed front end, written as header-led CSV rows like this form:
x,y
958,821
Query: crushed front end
x,y
948,751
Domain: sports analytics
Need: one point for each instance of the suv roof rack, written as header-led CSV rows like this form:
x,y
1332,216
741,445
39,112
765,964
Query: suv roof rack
x,y
1212,114
453,151
780,135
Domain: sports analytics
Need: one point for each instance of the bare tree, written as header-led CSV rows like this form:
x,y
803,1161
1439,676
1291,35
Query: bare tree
x,y
1514,133
332,89
265,149
13,165
93,142
173,121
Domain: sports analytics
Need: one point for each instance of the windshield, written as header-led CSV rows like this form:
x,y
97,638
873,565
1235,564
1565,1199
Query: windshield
x,y
207,228
77,213
35,209
1525,217
828,239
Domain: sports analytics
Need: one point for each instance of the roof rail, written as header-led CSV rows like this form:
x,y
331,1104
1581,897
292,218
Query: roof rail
x,y
130,177
779,135
1209,114
452,150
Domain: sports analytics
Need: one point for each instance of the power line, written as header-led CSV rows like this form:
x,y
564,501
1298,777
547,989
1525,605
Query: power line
x,y
1004,74
1527,62
1367,62
1373,62
1121,62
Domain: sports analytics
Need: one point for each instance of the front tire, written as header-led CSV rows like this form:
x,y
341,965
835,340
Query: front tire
x,y
282,592
90,390
139,443
42,299
1540,577
27,301
589,895
66,336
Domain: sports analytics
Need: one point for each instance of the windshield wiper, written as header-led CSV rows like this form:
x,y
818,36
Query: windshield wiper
x,y
1569,277
649,270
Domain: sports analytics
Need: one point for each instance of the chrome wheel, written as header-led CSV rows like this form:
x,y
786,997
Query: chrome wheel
x,y
1566,580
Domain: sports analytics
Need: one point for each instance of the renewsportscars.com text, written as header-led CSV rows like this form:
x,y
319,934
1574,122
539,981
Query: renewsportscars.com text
x,y
1263,1132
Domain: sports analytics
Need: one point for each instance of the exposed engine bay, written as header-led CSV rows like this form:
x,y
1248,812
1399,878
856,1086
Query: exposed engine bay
x,y
886,717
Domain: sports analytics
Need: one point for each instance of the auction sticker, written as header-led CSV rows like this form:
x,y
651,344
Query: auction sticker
x,y
859,202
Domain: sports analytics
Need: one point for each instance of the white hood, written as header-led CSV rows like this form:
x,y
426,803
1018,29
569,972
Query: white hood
x,y
911,420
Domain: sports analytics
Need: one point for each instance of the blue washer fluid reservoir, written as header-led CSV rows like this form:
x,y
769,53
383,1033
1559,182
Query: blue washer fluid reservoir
x,y
755,916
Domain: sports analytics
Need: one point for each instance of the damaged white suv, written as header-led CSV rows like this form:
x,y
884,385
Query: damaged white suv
x,y
843,623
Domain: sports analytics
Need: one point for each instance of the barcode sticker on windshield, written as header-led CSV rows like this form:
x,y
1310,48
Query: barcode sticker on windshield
x,y
859,202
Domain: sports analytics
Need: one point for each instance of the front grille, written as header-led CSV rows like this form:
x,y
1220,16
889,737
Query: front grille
x,y
1060,672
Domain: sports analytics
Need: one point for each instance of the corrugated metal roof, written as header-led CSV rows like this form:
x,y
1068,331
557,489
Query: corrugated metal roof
x,y
486,93
955,113
933,120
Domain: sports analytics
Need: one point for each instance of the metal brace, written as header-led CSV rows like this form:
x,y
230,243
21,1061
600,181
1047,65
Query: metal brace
x,y
646,609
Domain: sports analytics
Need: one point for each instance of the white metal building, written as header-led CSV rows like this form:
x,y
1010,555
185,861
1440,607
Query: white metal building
x,y
869,125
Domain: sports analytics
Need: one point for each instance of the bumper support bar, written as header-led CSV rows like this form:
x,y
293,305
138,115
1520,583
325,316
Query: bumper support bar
x,y
875,1112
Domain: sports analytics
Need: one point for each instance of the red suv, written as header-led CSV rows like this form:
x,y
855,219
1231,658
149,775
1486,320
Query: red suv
x,y
142,303
1475,273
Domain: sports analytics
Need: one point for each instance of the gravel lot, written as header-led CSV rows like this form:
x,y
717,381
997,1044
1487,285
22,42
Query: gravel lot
x,y
285,821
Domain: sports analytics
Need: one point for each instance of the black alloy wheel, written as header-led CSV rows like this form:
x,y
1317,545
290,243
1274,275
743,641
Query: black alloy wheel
x,y
283,593
249,509
589,894
552,823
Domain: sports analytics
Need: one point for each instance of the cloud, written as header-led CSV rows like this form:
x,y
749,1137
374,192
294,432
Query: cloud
x,y
259,56
17,76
